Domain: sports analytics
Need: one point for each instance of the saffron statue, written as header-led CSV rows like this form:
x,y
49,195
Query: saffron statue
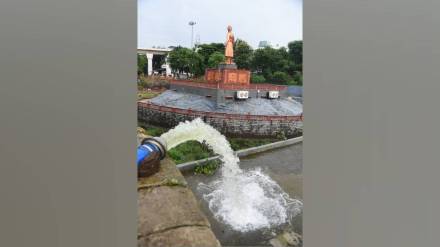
x,y
229,45
227,72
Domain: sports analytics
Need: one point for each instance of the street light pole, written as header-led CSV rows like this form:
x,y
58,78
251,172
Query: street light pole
x,y
192,23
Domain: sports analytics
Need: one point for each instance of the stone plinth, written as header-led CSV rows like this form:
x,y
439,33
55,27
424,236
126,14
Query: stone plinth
x,y
227,66
228,74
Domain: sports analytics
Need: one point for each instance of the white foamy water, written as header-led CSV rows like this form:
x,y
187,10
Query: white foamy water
x,y
245,201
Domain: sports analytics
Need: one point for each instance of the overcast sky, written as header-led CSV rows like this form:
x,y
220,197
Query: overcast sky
x,y
165,22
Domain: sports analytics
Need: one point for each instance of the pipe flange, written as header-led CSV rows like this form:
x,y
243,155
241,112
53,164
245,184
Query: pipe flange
x,y
159,142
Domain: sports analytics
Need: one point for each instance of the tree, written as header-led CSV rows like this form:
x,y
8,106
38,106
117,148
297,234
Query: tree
x,y
284,63
184,60
215,59
257,78
142,64
298,78
206,50
197,67
243,54
281,77
179,59
267,60
296,52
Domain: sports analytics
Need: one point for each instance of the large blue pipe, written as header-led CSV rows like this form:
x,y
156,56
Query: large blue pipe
x,y
148,147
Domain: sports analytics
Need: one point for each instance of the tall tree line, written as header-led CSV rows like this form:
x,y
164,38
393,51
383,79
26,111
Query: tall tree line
x,y
273,65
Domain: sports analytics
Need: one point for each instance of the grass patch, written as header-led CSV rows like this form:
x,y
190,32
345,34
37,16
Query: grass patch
x,y
190,151
243,143
147,94
153,130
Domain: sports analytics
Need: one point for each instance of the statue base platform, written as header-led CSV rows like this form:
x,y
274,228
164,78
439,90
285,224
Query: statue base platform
x,y
228,74
227,66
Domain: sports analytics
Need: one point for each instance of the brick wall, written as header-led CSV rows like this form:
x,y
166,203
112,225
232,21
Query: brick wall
x,y
227,124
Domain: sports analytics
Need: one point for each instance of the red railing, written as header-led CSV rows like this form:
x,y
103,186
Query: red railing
x,y
195,84
196,113
229,86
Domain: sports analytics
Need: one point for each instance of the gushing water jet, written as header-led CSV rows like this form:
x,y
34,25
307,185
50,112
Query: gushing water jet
x,y
245,201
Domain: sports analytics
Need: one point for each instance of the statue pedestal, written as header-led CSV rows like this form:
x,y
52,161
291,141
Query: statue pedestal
x,y
227,66
228,74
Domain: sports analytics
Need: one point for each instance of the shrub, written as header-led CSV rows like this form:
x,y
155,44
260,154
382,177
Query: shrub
x,y
152,82
189,151
208,168
292,82
280,77
298,78
153,130
281,135
257,79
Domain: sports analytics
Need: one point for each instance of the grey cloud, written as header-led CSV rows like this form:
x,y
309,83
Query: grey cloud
x,y
165,22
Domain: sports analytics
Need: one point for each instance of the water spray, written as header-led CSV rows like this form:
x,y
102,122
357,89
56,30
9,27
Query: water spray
x,y
245,200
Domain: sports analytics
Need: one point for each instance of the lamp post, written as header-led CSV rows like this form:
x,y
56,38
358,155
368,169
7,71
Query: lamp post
x,y
192,23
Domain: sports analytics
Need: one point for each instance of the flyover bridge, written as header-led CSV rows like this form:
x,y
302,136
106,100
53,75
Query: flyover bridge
x,y
151,52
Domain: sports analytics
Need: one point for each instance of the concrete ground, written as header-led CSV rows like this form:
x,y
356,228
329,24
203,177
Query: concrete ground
x,y
168,212
253,106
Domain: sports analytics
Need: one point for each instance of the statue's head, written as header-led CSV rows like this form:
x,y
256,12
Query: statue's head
x,y
229,28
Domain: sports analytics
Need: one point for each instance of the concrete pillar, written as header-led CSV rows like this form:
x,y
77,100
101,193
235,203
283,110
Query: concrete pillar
x,y
150,63
167,68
